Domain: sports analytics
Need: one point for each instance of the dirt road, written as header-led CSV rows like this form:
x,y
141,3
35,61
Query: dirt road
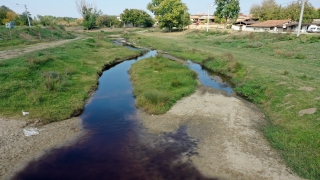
x,y
8,54
229,130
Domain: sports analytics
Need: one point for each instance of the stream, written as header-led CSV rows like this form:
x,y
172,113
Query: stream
x,y
116,145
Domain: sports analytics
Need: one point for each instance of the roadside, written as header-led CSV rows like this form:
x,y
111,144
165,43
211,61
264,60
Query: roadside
x,y
231,144
16,150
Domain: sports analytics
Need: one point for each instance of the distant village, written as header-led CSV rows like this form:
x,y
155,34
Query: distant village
x,y
250,23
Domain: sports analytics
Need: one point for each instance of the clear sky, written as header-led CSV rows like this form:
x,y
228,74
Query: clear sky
x,y
116,7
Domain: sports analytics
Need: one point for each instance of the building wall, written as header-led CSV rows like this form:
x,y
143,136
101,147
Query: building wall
x,y
235,27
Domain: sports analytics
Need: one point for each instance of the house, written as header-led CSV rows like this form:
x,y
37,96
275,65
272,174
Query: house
x,y
270,25
201,18
293,27
278,26
243,17
242,25
316,21
243,21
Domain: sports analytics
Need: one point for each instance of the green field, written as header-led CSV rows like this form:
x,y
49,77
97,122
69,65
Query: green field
x,y
158,83
278,72
21,36
53,84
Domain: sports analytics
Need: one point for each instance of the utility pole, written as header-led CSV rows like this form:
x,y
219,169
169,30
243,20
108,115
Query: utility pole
x,y
27,15
208,18
301,16
184,14
209,5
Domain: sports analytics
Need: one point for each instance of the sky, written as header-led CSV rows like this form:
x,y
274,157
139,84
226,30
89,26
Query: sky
x,y
67,8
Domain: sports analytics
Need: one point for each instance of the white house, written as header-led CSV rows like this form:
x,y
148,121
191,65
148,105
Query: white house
x,y
242,25
270,25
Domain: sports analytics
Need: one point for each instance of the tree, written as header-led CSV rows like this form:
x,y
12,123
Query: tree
x,y
3,13
10,16
108,21
22,19
268,10
227,9
89,12
46,20
170,13
137,17
292,11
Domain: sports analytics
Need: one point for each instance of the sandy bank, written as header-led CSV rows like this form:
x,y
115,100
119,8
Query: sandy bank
x,y
229,130
16,150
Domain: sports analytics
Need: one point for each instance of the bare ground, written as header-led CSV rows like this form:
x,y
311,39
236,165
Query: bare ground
x,y
231,142
16,150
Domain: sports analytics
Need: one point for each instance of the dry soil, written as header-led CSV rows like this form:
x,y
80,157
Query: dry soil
x,y
229,130
16,150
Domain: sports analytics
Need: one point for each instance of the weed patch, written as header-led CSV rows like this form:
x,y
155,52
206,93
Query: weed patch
x,y
54,83
158,83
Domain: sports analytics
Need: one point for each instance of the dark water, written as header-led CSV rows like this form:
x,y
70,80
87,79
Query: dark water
x,y
116,146
208,79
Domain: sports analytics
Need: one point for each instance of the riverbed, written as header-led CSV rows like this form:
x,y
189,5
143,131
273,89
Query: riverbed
x,y
211,134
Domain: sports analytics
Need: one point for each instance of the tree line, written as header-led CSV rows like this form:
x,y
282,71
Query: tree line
x,y
7,15
92,17
270,10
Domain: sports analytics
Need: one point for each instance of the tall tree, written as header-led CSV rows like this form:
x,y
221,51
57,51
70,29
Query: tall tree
x,y
227,9
268,10
170,13
89,13
9,17
137,17
3,13
108,21
292,11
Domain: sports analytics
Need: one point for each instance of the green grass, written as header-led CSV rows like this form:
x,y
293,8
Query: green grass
x,y
26,36
53,84
158,83
261,61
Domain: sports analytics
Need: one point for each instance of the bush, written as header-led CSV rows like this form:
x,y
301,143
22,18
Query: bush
x,y
300,56
255,44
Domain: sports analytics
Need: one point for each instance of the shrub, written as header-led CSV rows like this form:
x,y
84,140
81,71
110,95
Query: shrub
x,y
253,91
255,44
156,97
300,56
91,40
176,83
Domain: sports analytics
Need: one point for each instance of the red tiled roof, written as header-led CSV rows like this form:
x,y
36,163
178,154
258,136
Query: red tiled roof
x,y
271,23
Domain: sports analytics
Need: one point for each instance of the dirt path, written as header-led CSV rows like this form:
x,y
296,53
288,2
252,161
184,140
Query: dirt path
x,y
8,54
231,143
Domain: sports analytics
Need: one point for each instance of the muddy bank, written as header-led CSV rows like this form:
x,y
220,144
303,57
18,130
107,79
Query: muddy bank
x,y
231,144
16,150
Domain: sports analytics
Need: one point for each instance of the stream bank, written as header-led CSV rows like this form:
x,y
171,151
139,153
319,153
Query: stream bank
x,y
16,150
228,130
